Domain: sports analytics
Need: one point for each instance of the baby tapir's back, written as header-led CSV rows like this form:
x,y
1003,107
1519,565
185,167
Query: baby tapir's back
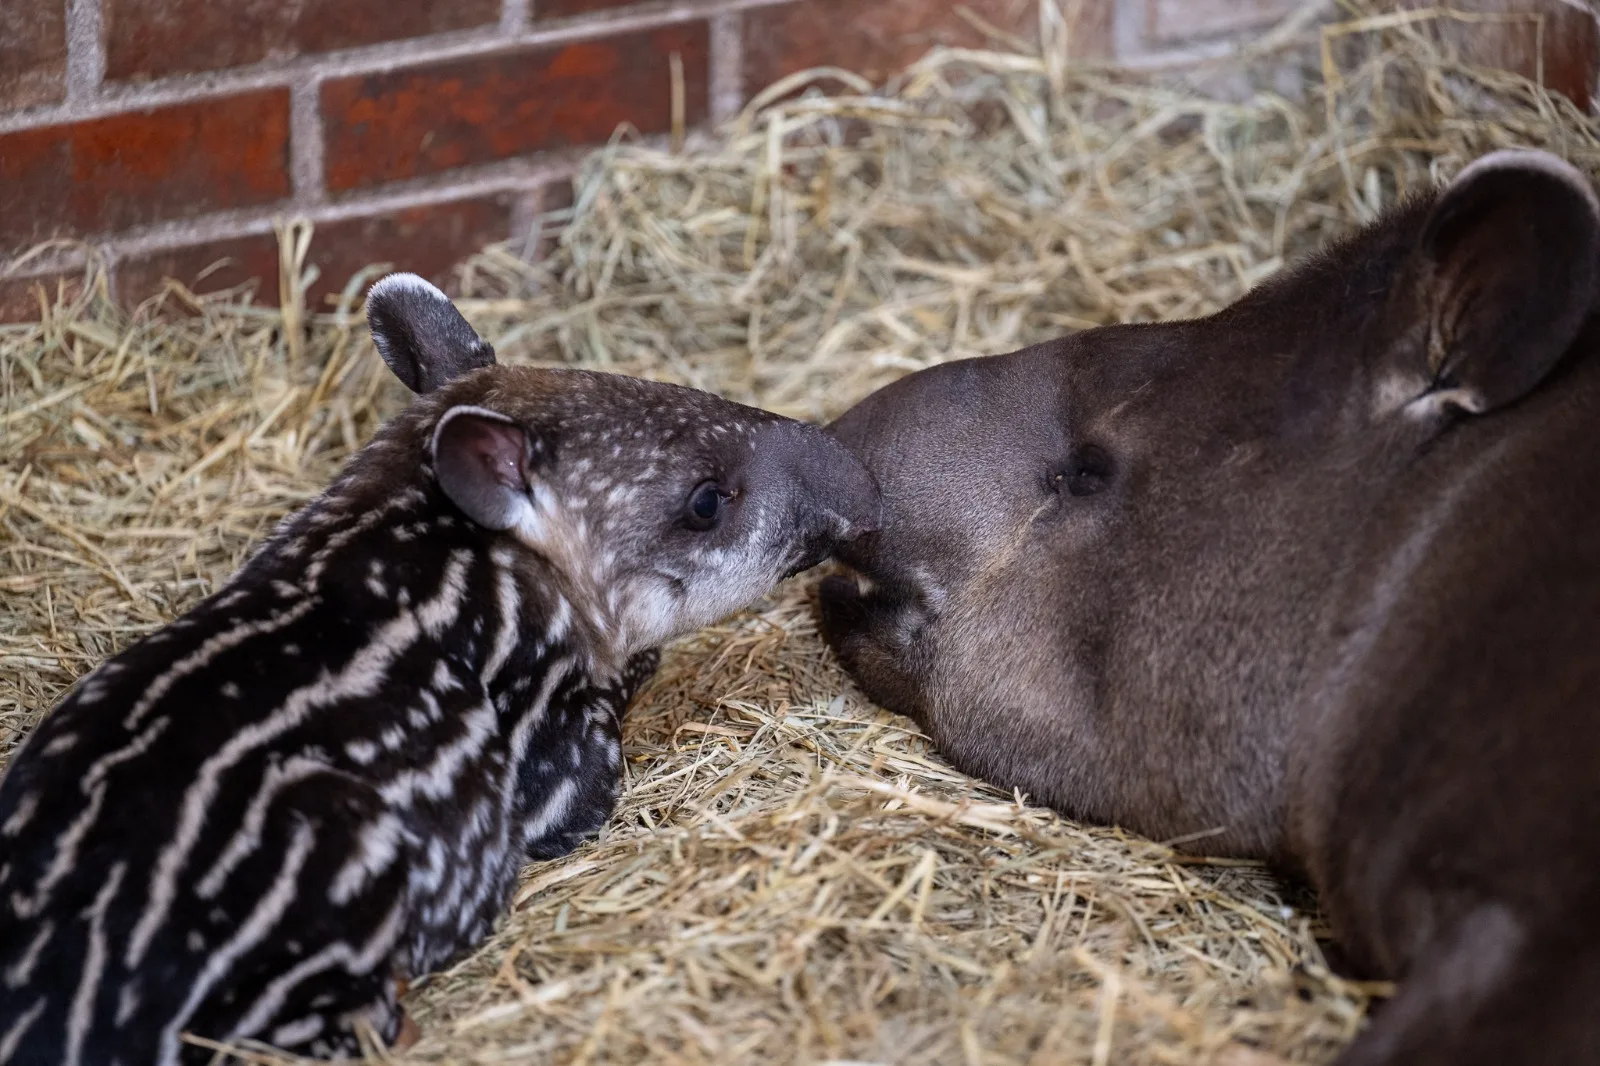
x,y
319,770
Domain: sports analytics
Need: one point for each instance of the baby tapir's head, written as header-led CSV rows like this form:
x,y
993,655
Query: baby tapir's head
x,y
660,508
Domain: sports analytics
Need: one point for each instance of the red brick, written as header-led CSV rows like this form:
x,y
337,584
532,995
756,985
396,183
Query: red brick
x,y
154,38
19,297
144,166
879,38
33,52
423,120
1571,42
559,9
204,268
429,241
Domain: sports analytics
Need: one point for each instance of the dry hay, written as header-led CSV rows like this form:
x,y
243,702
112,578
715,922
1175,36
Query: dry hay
x,y
793,876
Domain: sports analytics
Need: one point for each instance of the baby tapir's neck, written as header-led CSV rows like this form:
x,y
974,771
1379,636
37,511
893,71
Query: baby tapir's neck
x,y
356,557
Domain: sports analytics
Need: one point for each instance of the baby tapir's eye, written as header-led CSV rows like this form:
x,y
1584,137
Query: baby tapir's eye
x,y
1085,473
704,508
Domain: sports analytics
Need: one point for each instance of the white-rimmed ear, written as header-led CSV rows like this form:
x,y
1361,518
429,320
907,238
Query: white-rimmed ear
x,y
1502,278
421,334
485,463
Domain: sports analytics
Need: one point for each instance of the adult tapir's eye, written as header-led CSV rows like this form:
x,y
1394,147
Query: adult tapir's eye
x,y
1086,471
704,508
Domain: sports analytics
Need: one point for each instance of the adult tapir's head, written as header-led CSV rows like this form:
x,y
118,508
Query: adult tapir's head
x,y
1094,547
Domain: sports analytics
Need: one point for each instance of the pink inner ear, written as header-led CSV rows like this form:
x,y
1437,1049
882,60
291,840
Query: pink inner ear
x,y
481,462
500,447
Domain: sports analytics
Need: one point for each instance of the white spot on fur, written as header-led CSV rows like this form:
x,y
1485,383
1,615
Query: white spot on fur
x,y
437,780
297,1032
65,742
1433,404
23,813
444,679
127,1003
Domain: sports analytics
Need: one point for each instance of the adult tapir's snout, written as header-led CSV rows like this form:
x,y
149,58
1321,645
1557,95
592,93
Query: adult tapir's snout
x,y
966,455
833,499
961,452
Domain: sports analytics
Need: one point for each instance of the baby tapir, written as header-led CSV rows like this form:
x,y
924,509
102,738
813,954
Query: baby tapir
x,y
325,777
1316,578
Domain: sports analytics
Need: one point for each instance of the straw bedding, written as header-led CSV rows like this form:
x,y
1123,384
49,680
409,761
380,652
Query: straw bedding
x,y
793,875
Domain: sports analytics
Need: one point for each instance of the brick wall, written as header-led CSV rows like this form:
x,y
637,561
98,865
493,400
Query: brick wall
x,y
171,134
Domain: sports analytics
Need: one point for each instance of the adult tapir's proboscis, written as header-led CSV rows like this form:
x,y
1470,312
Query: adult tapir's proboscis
x,y
1315,578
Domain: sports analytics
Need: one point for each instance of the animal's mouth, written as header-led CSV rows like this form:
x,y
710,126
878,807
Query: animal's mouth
x,y
675,585
821,548
856,578
807,560
858,553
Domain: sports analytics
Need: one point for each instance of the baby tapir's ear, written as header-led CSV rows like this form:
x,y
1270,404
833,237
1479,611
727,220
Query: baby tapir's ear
x,y
484,462
421,335
1499,284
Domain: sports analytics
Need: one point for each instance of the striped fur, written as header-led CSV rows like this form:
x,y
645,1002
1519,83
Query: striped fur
x,y
326,776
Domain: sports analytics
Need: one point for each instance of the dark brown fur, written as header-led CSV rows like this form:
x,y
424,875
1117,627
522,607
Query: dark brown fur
x,y
1314,579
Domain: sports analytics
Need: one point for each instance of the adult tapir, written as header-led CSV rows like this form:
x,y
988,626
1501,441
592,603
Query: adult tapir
x,y
1315,579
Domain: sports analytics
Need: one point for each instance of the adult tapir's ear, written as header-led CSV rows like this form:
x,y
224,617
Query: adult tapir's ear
x,y
421,335
1500,282
485,463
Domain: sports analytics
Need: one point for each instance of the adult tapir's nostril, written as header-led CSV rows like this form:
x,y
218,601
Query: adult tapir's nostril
x,y
860,508
833,494
853,493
